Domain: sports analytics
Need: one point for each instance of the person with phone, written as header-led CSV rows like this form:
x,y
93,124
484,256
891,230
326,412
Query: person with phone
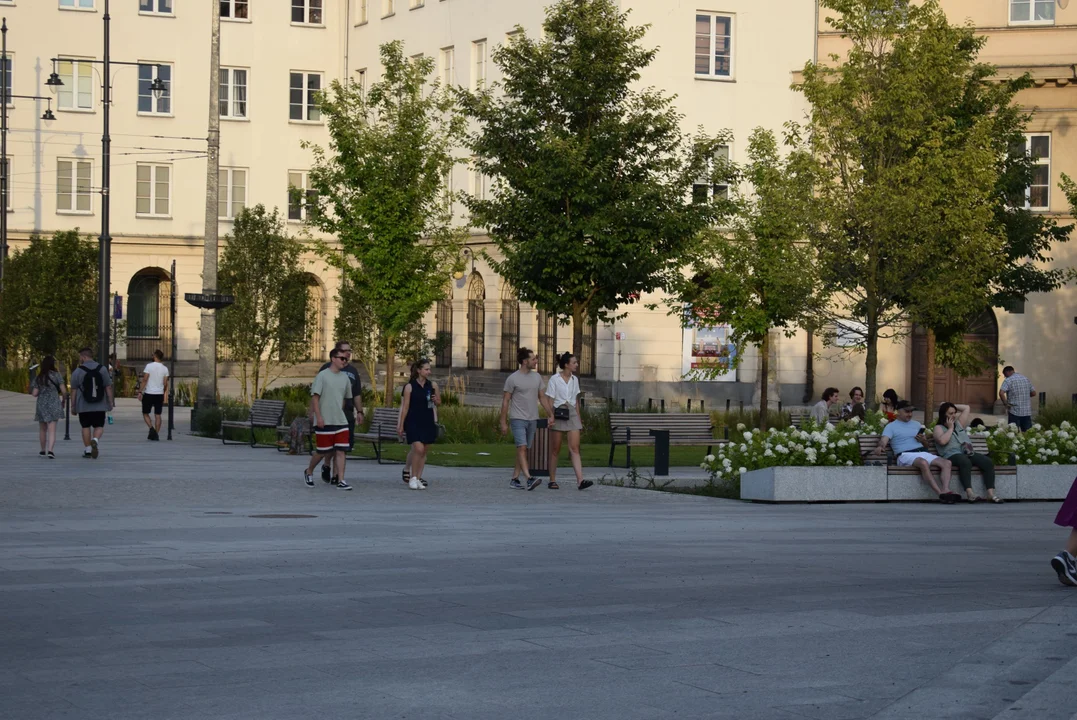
x,y
563,393
952,440
417,422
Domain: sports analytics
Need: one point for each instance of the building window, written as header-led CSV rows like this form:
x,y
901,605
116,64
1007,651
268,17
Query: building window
x,y
1038,194
362,12
306,12
148,103
714,45
479,182
73,186
478,61
388,7
412,4
360,79
155,7
153,190
76,93
234,9
299,195
76,4
7,69
1032,12
303,96
232,193
447,65
233,93
703,190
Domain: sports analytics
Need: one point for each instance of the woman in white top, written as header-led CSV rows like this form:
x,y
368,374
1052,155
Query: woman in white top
x,y
563,389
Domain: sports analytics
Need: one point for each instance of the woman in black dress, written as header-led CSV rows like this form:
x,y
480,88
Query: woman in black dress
x,y
417,423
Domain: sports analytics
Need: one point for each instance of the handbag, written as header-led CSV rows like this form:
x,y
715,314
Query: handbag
x,y
560,412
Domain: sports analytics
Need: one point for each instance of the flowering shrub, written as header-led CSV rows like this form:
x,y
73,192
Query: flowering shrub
x,y
752,450
1038,446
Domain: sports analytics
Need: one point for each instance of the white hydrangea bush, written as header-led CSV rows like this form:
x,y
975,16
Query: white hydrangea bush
x,y
1038,446
747,450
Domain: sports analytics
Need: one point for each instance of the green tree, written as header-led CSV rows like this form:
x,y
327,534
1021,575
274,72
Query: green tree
x,y
49,301
906,228
759,275
592,179
381,190
268,327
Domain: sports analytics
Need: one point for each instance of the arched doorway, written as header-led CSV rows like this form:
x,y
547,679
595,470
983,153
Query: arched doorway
x,y
149,323
476,322
443,323
978,392
510,329
308,330
547,342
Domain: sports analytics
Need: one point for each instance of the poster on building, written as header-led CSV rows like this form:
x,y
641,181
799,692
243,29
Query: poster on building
x,y
707,354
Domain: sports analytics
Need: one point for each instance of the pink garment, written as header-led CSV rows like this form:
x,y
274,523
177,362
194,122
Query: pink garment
x,y
1067,514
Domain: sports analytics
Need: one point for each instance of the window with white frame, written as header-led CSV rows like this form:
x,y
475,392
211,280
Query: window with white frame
x,y
233,93
148,102
362,12
155,7
76,4
1038,194
76,93
478,64
703,189
360,79
479,182
1032,12
153,186
232,192
306,12
7,70
714,45
412,4
303,89
234,9
388,7
299,194
73,186
447,66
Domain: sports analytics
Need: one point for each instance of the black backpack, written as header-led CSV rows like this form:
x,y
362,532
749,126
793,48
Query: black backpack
x,y
93,384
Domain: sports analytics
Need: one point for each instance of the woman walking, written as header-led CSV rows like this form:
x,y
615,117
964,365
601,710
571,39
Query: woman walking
x,y
48,389
563,391
953,443
417,423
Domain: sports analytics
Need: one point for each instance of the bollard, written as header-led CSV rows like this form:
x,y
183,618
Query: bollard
x,y
727,401
649,405
742,406
663,401
67,418
1043,400
689,404
622,404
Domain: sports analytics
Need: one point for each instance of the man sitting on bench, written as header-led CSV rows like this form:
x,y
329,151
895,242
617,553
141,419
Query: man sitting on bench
x,y
910,450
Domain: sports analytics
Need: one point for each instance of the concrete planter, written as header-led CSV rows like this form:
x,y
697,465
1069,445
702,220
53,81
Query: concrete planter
x,y
814,484
1044,482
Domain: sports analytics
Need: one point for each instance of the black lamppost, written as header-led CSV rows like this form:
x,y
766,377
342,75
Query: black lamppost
x,y
104,252
5,96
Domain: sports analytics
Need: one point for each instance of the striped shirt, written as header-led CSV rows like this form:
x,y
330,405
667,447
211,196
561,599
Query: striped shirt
x,y
1018,391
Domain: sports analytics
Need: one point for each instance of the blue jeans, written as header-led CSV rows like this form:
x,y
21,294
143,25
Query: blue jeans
x,y
523,431
1023,422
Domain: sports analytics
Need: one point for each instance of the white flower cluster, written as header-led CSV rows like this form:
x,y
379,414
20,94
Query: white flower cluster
x,y
1038,446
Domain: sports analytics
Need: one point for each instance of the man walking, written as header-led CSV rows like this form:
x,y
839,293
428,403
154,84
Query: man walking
x,y
1016,393
520,403
92,388
328,393
154,387
353,400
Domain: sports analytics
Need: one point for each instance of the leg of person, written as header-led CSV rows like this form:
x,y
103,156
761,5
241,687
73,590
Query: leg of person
x,y
945,471
340,460
41,432
323,451
157,418
408,461
522,437
925,474
556,437
577,462
1026,423
987,469
964,473
50,444
418,465
87,435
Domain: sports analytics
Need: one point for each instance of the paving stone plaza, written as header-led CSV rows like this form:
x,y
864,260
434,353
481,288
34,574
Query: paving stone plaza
x,y
145,585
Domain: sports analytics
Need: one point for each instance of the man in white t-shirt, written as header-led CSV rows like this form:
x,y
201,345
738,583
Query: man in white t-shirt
x,y
154,387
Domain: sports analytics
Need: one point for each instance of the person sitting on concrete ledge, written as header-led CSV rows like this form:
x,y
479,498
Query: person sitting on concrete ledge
x,y
909,447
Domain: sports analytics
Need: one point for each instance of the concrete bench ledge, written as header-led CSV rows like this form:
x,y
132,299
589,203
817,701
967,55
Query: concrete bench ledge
x,y
871,484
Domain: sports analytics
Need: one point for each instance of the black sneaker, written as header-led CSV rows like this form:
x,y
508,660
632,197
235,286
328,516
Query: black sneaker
x,y
533,483
334,480
325,473
308,479
52,455
1066,574
342,485
156,436
515,484
149,435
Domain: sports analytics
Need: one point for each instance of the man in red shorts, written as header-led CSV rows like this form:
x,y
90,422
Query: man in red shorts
x,y
328,393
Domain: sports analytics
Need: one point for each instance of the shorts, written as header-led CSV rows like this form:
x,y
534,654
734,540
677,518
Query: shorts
x,y
332,437
906,459
152,402
94,419
523,431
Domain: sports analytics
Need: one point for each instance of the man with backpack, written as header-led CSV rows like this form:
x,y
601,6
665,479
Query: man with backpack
x,y
92,388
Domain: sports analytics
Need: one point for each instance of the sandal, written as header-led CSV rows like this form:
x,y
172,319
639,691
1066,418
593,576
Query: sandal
x,y
974,498
406,476
552,485
995,499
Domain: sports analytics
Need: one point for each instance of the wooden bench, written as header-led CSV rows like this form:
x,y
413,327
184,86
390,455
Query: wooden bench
x,y
868,443
630,429
382,429
265,414
797,416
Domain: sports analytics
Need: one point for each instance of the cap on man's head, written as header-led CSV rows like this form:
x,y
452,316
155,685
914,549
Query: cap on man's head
x,y
904,405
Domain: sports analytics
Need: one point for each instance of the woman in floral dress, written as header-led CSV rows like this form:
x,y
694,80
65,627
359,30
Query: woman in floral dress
x,y
48,389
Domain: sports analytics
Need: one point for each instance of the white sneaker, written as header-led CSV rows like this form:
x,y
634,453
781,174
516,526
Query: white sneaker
x,y
414,484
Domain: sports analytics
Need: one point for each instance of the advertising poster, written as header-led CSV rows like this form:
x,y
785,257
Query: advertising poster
x,y
708,354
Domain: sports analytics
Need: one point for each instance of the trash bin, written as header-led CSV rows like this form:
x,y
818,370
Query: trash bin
x,y
661,451
538,457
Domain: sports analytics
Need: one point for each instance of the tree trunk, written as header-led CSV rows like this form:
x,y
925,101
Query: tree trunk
x,y
929,391
390,362
809,367
872,360
577,330
764,372
207,342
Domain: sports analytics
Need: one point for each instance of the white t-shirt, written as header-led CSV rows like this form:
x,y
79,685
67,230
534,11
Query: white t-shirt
x,y
562,393
155,385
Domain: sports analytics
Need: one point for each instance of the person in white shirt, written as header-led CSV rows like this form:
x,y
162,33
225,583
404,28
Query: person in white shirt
x,y
154,387
563,391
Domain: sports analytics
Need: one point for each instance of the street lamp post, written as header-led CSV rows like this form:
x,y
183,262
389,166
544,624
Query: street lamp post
x,y
104,248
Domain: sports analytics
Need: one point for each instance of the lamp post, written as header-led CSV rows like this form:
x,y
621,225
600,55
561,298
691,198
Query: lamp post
x,y
104,250
5,96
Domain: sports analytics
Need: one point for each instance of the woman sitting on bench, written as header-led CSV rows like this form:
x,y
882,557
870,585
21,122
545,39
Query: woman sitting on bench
x,y
953,443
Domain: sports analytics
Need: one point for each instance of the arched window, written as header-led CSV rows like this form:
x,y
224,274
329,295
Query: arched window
x,y
476,322
443,323
510,328
149,325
